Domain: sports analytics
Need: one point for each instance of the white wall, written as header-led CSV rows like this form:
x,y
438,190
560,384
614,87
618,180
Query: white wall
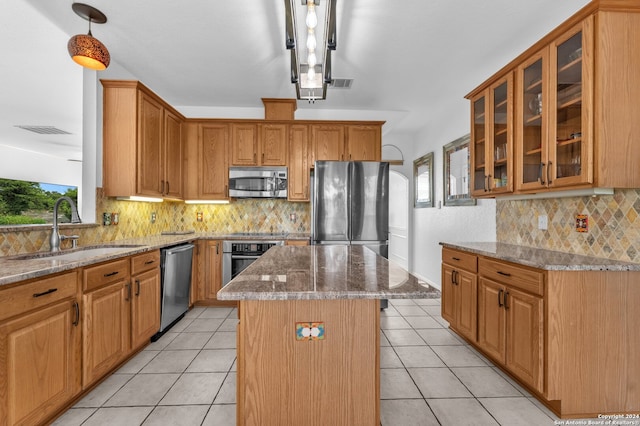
x,y
451,224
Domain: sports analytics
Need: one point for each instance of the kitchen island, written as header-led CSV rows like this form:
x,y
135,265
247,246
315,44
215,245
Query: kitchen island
x,y
309,334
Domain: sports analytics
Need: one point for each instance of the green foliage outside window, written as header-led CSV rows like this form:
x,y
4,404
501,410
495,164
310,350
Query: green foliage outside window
x,y
23,202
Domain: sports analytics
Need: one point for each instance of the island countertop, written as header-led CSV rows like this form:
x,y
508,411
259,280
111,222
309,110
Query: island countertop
x,y
324,272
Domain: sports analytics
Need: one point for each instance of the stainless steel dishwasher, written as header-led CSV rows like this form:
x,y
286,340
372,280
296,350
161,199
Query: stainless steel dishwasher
x,y
175,263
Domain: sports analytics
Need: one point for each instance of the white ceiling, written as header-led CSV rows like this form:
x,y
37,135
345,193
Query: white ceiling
x,y
407,58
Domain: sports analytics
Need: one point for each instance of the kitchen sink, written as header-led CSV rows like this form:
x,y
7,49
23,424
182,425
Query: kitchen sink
x,y
77,254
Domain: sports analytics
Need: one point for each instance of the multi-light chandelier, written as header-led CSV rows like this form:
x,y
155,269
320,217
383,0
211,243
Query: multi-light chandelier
x,y
311,78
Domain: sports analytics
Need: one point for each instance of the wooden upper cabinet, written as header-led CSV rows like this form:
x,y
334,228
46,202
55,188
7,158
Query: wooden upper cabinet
x,y
174,156
244,144
575,105
299,164
328,142
255,144
273,144
142,142
207,151
492,139
150,147
364,143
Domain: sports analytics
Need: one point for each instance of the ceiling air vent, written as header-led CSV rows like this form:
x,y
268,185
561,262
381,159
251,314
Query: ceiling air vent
x,y
44,130
341,83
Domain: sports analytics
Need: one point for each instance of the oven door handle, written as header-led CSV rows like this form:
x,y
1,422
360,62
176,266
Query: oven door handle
x,y
243,257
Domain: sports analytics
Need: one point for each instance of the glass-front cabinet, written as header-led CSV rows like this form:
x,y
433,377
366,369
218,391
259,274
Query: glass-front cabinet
x,y
570,124
553,136
492,139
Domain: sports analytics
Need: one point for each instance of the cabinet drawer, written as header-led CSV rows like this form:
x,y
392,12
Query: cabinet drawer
x,y
25,297
460,259
145,261
97,276
515,276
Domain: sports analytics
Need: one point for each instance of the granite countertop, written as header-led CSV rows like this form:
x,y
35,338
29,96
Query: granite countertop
x,y
543,259
14,269
324,272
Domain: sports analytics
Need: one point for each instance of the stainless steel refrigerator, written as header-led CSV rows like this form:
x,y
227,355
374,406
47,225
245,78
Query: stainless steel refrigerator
x,y
351,204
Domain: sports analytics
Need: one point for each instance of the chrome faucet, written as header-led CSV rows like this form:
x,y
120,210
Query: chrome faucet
x,y
54,240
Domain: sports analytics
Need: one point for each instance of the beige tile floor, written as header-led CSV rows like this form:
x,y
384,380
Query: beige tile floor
x,y
428,377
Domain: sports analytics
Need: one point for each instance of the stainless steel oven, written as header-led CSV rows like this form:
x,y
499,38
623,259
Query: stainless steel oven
x,y
238,255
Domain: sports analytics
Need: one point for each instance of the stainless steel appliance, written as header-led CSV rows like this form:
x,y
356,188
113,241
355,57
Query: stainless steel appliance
x,y
258,182
175,264
351,205
237,255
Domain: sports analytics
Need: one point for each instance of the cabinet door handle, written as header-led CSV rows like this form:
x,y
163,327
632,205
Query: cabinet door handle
x,y
127,286
44,293
110,274
76,308
540,174
453,277
504,274
162,187
506,297
226,191
137,288
149,262
489,183
167,187
549,173
500,296
486,181
217,248
263,158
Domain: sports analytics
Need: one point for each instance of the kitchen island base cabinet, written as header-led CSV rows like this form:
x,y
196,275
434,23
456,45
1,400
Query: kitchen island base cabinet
x,y
276,372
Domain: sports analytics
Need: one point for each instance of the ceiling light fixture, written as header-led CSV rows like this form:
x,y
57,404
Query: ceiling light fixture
x,y
85,49
311,78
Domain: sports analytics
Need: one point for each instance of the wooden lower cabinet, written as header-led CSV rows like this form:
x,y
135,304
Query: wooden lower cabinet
x,y
510,330
210,276
106,329
40,354
568,336
459,290
145,307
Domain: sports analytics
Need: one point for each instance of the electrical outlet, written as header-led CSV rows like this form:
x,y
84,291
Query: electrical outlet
x,y
543,222
153,217
199,217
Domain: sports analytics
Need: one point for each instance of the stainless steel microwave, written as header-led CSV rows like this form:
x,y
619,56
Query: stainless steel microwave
x,y
258,182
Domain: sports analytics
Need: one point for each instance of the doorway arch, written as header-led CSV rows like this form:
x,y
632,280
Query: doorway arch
x,y
399,219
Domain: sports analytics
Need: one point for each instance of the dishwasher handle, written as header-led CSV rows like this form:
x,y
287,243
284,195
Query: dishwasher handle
x,y
179,249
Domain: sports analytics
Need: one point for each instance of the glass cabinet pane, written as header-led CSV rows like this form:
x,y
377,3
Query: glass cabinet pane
x,y
500,117
569,108
532,123
479,139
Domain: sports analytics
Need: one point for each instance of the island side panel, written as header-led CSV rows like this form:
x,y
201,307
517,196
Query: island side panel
x,y
334,381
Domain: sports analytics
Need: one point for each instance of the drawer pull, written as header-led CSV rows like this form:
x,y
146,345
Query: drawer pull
x,y
44,293
500,296
456,259
149,262
505,274
76,308
110,274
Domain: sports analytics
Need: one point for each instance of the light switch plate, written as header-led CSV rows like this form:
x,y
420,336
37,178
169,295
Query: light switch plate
x,y
543,222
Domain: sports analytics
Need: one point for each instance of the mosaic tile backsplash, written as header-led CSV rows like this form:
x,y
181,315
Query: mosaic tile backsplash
x,y
247,215
613,224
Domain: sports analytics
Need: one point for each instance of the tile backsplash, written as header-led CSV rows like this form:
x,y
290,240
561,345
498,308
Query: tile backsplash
x,y
613,224
246,215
